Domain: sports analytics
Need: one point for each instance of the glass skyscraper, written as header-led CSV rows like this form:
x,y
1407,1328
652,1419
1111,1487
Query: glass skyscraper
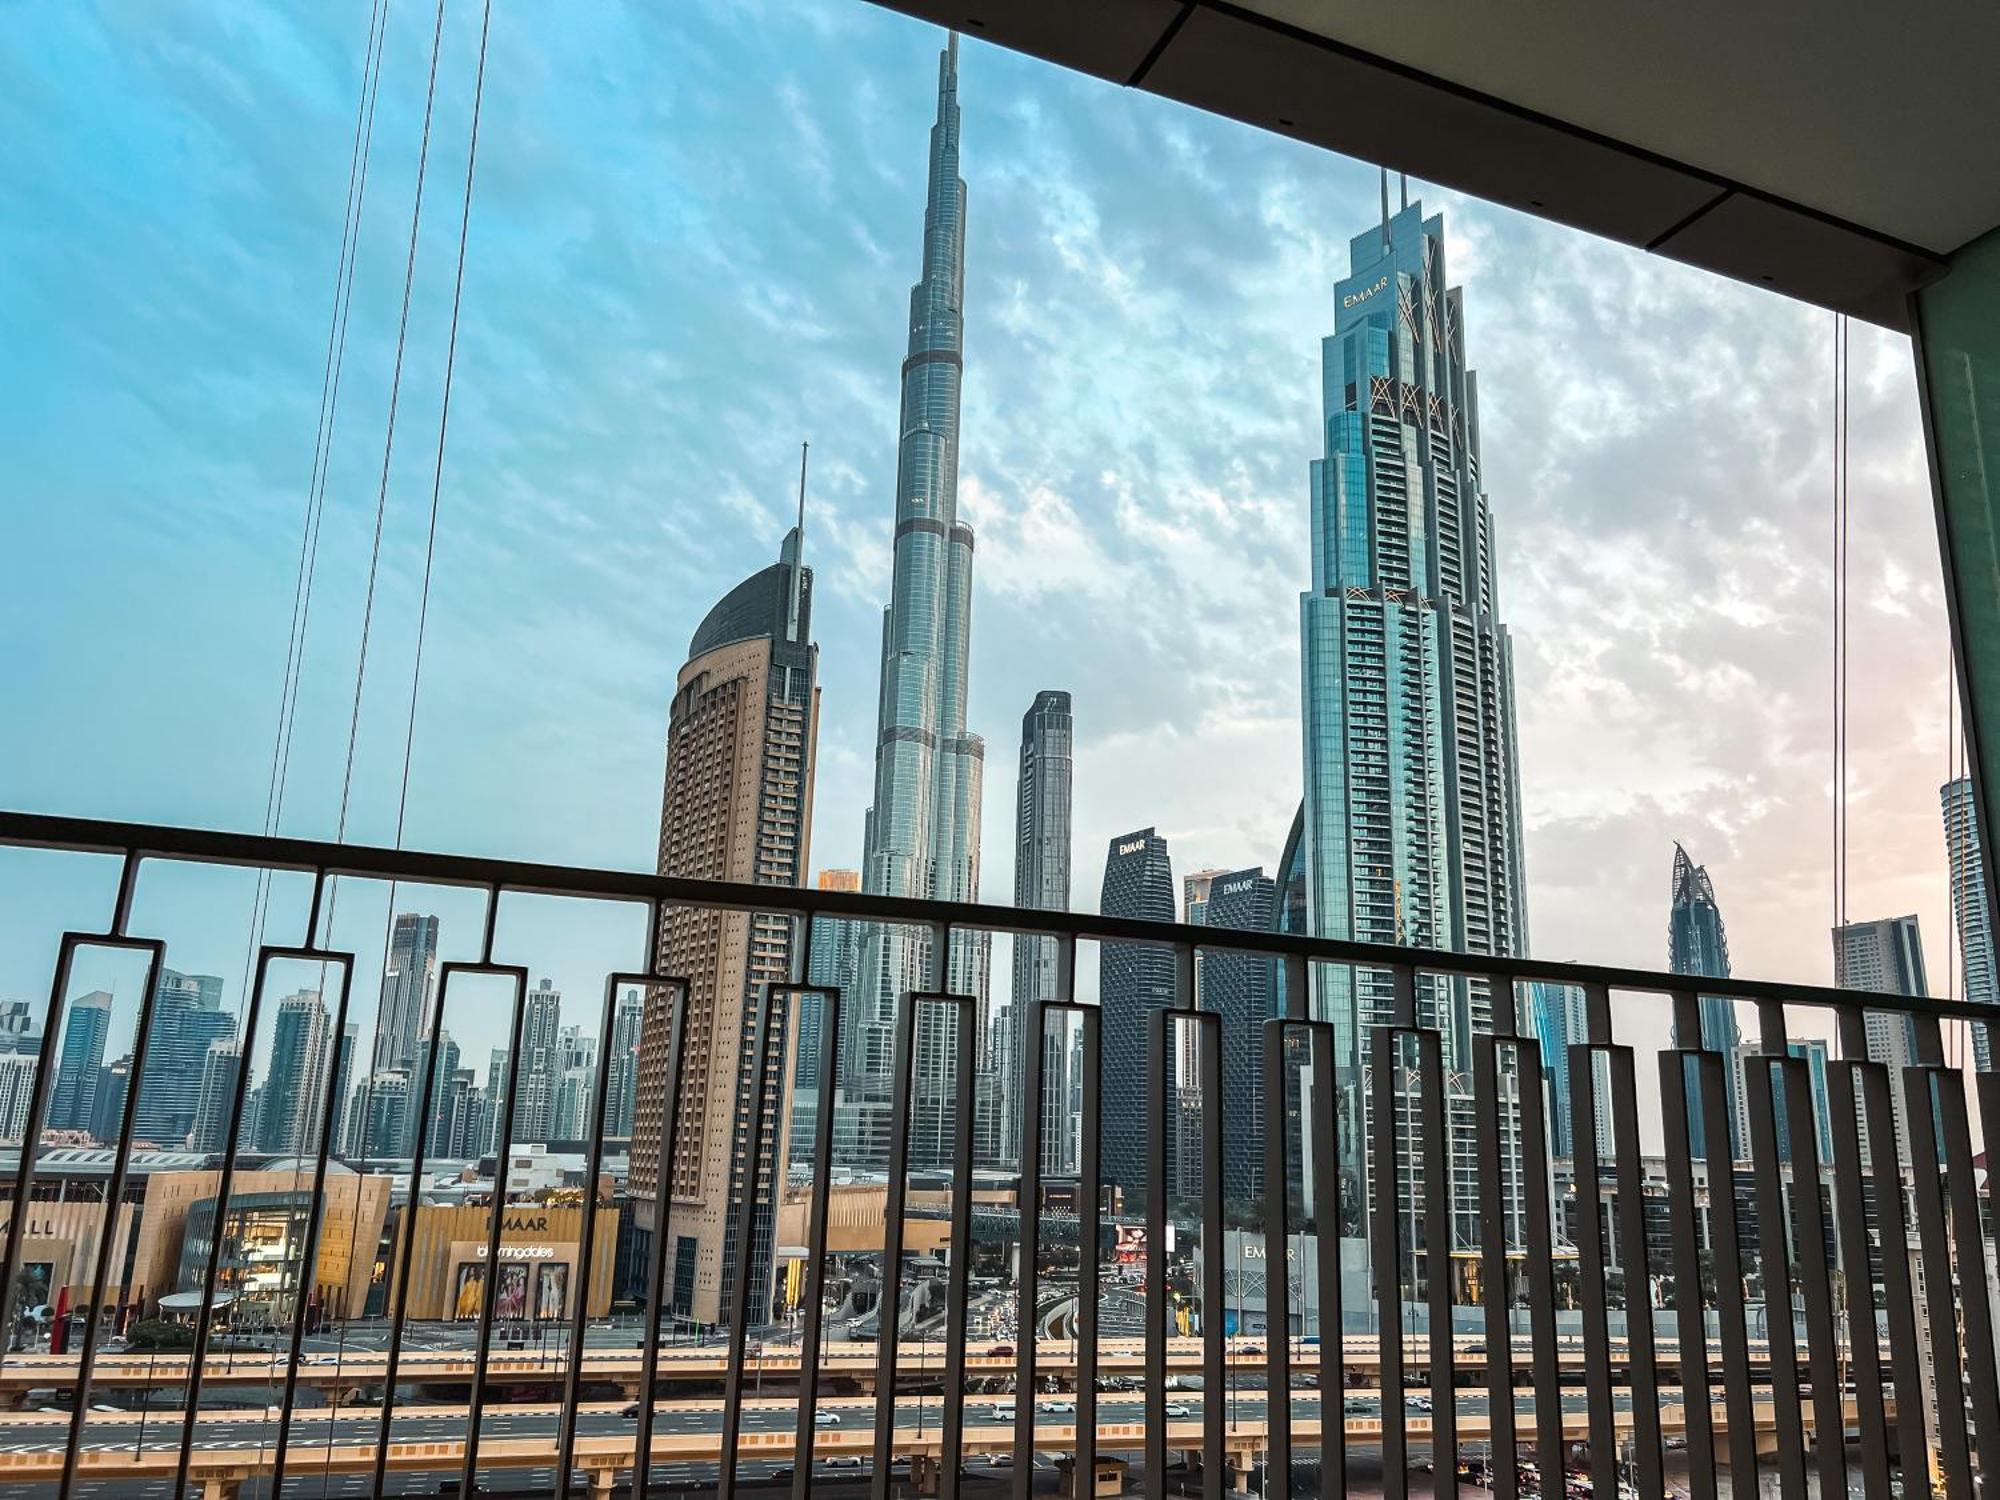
x,y
1969,909
921,837
73,1104
1134,980
1885,955
1243,987
1410,830
1042,813
1697,944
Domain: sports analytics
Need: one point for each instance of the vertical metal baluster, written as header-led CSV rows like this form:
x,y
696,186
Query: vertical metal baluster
x,y
804,1439
888,1308
1642,1357
504,1150
1214,1267
951,1433
1327,1214
1815,1280
46,1064
114,1192
1690,1307
1780,1335
1590,1242
1493,1260
656,1275
1547,1368
1437,1265
315,1227
1947,1380
1277,1288
1726,1245
1035,1035
1851,1226
1383,1138
406,1246
1975,1311
769,1025
1159,1053
1898,1291
1088,1226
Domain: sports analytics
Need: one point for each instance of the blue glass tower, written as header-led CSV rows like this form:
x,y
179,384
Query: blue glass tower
x,y
1411,823
922,833
1697,944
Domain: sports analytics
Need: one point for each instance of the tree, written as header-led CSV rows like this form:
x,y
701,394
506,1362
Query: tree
x,y
157,1334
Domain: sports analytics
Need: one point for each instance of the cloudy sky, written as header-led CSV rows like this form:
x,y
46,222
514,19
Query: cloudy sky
x,y
691,243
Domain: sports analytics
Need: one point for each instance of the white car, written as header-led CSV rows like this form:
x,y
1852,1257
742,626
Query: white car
x,y
1057,1408
1176,1409
822,1417
1004,1412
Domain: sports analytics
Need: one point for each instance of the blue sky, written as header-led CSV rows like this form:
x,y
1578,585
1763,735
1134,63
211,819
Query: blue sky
x,y
691,244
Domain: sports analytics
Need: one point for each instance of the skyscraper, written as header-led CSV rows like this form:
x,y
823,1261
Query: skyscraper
x,y
921,836
295,1081
541,1064
17,1083
741,739
835,962
621,1088
1243,987
73,1105
1697,944
215,1102
406,989
439,1056
343,1084
1134,980
1885,955
1042,820
186,1019
107,1109
1970,913
1410,830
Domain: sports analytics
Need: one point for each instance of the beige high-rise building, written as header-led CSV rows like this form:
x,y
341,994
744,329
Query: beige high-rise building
x,y
738,806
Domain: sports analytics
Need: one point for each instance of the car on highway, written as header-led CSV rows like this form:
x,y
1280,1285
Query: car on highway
x,y
1056,1408
1001,1351
1003,1411
825,1417
1178,1409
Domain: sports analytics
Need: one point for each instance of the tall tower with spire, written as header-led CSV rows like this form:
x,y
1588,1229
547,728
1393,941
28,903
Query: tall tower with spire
x,y
922,833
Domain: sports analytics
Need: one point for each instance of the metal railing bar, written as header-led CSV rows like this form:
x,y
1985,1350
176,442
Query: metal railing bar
x,y
1815,1279
586,1250
1774,1256
407,1248
1591,1238
148,841
1034,1035
1159,1053
764,1040
1385,1220
1851,1228
805,1435
1215,1377
1690,1306
1948,1381
889,1305
503,1150
1726,1247
1277,1286
1090,1219
315,1227
1547,1372
1439,1232
1642,1357
114,1192
1969,1241
225,1186
656,1271
1493,1260
958,1274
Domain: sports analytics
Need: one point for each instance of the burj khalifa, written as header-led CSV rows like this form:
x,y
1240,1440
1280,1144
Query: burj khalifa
x,y
922,832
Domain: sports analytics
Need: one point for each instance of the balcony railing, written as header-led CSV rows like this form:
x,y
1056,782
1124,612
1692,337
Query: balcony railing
x,y
1881,1355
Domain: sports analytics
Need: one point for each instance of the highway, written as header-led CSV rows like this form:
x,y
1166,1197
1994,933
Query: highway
x,y
330,1452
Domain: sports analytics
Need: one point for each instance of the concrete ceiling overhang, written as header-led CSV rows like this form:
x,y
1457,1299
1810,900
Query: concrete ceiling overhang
x,y
1836,152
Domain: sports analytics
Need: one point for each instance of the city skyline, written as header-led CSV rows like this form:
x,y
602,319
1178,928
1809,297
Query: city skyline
x,y
1174,789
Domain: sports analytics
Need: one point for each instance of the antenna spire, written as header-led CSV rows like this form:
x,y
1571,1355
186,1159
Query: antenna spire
x,y
1385,209
1403,181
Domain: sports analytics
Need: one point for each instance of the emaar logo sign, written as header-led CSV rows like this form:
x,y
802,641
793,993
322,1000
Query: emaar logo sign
x,y
1134,847
1237,887
1355,299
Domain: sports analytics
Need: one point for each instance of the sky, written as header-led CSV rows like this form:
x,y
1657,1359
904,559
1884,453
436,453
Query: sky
x,y
691,242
